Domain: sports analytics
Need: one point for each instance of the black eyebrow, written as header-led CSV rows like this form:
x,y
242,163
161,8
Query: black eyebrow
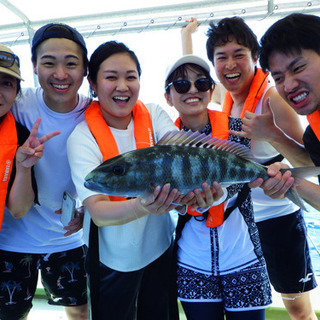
x,y
48,56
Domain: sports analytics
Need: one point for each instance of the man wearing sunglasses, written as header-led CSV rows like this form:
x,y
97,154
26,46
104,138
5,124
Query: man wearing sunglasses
x,y
38,240
232,48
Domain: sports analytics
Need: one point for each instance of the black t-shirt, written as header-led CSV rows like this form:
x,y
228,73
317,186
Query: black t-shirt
x,y
312,145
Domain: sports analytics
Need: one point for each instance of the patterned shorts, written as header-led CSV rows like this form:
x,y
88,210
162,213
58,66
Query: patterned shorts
x,y
62,275
247,289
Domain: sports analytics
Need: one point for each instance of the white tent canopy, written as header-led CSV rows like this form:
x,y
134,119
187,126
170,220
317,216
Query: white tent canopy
x,y
20,18
149,27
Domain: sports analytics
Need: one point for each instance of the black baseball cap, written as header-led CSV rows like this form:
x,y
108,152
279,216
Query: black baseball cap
x,y
57,30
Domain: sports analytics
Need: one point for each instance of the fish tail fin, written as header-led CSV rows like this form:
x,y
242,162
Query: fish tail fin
x,y
292,195
303,173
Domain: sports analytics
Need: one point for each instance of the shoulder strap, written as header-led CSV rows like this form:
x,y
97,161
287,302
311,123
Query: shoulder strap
x,y
242,195
220,129
93,266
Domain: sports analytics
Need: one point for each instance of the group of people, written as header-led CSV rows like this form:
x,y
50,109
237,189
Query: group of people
x,y
229,243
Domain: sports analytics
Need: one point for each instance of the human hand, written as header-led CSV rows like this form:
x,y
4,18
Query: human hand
x,y
258,126
76,223
208,195
278,184
32,150
191,26
162,200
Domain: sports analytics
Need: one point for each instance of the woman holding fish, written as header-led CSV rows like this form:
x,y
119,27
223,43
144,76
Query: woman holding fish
x,y
135,236
221,269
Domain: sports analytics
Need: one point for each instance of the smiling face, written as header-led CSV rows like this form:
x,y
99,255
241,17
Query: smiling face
x,y
60,70
117,87
235,67
193,102
297,79
8,92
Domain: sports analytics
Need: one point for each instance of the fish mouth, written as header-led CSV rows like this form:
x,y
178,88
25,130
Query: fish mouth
x,y
91,184
94,186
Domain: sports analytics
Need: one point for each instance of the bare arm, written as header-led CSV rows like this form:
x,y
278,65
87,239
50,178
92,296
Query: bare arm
x,y
21,195
105,212
310,192
278,184
280,126
186,36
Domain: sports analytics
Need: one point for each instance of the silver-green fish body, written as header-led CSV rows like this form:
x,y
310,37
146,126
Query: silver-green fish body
x,y
185,167
185,160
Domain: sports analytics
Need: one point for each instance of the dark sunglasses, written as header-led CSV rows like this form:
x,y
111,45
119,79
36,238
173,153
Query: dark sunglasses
x,y
7,59
183,86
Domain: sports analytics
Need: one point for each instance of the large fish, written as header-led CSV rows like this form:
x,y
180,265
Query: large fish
x,y
185,160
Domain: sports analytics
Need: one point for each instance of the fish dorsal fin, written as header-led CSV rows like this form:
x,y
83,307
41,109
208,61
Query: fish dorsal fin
x,y
201,140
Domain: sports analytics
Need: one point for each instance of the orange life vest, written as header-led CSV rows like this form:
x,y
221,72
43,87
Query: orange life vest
x,y
258,85
314,121
220,129
107,144
8,148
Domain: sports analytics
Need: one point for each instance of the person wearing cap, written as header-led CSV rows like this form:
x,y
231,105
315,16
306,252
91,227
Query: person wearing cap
x,y
38,240
232,47
221,246
17,183
187,48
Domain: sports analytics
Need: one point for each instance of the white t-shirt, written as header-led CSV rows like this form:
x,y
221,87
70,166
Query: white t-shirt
x,y
133,245
265,208
40,230
221,250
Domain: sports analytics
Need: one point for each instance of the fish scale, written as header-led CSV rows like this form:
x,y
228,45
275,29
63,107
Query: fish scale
x,y
185,160
185,168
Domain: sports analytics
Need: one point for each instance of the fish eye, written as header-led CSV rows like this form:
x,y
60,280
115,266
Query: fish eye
x,y
118,170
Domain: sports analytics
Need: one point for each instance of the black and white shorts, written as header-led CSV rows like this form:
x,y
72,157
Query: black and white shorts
x,y
247,289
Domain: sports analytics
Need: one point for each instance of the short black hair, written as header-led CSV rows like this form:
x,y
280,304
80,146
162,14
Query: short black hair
x,y
58,30
293,33
221,33
106,50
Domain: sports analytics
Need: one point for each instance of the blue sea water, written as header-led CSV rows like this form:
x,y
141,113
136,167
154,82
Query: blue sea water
x,y
312,219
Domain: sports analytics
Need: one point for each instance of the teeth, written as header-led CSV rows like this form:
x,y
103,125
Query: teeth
x,y
232,75
300,97
121,98
61,86
192,100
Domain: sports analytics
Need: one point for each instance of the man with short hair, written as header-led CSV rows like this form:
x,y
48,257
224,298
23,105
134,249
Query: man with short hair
x,y
233,49
290,50
37,241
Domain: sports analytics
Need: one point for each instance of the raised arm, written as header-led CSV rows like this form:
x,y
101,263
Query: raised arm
x,y
186,36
